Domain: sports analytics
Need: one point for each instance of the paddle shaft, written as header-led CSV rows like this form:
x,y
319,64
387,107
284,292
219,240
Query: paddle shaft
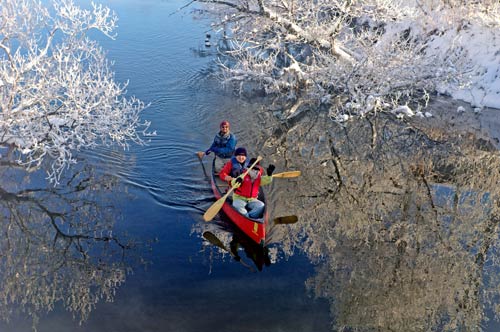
x,y
215,208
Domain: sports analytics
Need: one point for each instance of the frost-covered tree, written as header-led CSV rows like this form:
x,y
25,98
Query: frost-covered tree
x,y
351,57
57,92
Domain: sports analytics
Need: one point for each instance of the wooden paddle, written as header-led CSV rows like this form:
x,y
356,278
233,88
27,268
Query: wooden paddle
x,y
290,174
215,208
285,220
200,154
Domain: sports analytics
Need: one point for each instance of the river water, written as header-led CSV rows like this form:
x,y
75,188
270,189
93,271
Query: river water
x,y
118,246
185,283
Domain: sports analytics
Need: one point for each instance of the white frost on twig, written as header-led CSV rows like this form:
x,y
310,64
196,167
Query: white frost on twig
x,y
402,111
58,94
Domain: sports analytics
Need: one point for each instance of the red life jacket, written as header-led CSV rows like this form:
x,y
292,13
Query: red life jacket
x,y
248,188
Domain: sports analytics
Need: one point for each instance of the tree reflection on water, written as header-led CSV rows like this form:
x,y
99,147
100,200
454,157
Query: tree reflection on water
x,y
402,222
58,245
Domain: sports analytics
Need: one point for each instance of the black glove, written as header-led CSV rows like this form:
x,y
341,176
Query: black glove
x,y
270,169
236,183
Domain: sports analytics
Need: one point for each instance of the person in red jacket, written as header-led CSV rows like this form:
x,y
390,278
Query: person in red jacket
x,y
246,189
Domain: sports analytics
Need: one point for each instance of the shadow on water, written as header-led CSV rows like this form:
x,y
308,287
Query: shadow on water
x,y
240,246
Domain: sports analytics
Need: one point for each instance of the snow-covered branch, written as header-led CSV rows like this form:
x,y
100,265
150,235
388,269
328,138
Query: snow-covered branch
x,y
57,91
319,51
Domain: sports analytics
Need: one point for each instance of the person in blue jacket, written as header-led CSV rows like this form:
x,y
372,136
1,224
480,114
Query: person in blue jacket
x,y
223,145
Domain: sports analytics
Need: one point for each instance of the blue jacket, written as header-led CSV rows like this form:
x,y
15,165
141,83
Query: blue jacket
x,y
225,145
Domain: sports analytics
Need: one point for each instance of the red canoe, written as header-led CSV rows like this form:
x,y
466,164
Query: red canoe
x,y
254,230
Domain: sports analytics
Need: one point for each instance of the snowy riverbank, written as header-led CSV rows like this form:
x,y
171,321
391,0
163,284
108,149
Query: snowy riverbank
x,y
480,47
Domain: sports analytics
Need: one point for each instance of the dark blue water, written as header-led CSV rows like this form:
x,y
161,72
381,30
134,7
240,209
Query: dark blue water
x,y
153,198
187,284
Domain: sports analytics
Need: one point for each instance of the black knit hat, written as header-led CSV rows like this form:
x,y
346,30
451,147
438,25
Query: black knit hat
x,y
240,152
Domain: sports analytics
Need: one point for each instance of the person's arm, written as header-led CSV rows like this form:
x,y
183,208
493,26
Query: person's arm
x,y
265,179
224,173
210,149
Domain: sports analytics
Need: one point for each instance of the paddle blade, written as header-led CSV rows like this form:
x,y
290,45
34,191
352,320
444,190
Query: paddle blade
x,y
214,209
285,220
290,174
213,239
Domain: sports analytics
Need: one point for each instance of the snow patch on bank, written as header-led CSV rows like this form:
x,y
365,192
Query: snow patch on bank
x,y
479,48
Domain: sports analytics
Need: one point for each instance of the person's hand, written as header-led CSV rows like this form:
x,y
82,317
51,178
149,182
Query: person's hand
x,y
236,182
207,152
270,169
